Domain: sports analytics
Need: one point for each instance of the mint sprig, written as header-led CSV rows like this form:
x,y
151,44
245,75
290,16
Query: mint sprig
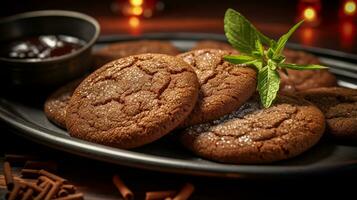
x,y
241,33
268,85
261,52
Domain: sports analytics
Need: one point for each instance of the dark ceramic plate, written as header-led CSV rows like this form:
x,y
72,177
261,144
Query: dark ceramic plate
x,y
166,155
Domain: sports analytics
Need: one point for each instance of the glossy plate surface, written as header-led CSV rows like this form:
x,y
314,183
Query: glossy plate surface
x,y
166,155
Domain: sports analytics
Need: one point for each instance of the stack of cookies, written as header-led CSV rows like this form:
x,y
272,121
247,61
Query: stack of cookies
x,y
146,91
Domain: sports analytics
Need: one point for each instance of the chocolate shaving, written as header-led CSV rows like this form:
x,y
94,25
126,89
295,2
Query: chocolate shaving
x,y
44,179
62,192
55,188
78,196
38,184
185,192
9,179
70,188
154,195
33,186
52,176
14,192
123,189
42,194
27,194
43,183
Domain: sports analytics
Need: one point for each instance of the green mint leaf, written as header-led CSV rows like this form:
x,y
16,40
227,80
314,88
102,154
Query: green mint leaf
x,y
258,64
239,59
280,59
268,85
260,51
301,67
257,54
279,46
259,47
272,64
241,34
270,53
244,59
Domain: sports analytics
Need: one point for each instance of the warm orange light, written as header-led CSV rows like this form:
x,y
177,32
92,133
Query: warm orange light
x,y
134,22
136,2
137,10
350,8
307,35
348,28
309,14
348,34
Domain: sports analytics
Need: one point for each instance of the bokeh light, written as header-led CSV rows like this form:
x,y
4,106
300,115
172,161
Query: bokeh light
x,y
136,2
309,14
137,10
348,32
350,8
134,22
307,36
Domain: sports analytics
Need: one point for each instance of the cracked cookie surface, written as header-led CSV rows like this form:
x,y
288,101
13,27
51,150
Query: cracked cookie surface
x,y
56,104
253,135
124,49
299,80
133,101
340,108
223,86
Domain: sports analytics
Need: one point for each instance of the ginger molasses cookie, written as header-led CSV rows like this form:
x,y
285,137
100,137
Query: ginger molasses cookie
x,y
212,44
223,86
56,104
340,108
123,49
295,80
132,101
253,135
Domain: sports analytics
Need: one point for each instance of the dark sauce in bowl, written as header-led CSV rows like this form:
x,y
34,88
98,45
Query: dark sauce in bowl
x,y
40,47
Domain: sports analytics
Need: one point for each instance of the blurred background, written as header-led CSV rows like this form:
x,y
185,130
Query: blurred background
x,y
328,23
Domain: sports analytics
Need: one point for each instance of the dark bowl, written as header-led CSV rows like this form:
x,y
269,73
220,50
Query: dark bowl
x,y
50,72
